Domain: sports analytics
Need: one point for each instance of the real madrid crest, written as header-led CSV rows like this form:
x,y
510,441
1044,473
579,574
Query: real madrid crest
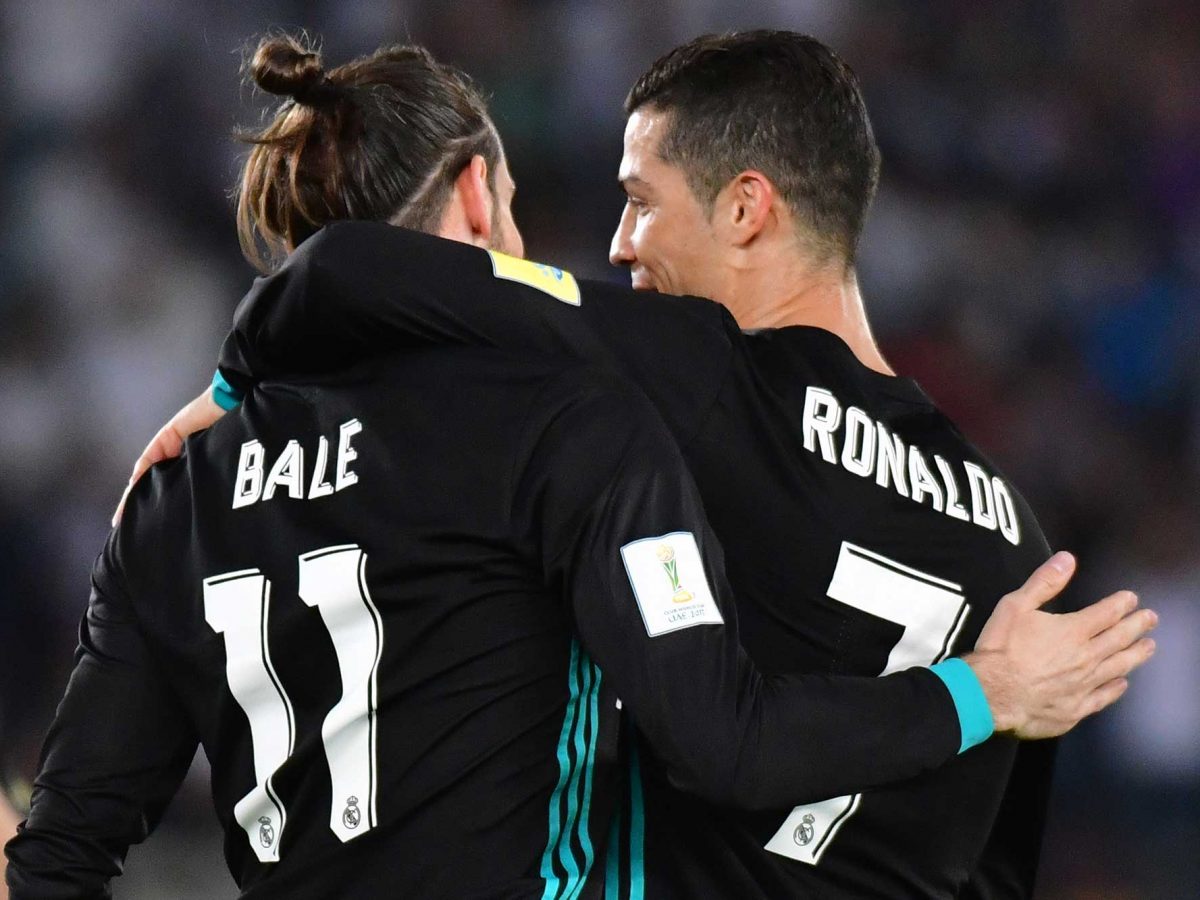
x,y
266,831
351,815
804,832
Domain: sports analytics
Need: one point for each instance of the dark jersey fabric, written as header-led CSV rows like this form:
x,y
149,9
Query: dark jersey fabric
x,y
442,639
789,509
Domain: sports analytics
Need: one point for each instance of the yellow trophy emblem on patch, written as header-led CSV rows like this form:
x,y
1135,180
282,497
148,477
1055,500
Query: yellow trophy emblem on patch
x,y
666,556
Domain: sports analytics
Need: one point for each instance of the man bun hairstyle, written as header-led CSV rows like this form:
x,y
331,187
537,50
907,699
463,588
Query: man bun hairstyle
x,y
283,66
381,138
781,103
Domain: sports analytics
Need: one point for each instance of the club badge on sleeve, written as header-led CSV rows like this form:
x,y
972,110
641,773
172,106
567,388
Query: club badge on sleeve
x,y
669,583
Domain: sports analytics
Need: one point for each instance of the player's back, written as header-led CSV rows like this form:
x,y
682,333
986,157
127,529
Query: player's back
x,y
354,618
864,535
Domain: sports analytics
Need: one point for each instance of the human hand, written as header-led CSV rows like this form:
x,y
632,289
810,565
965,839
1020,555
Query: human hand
x,y
8,827
1043,673
168,443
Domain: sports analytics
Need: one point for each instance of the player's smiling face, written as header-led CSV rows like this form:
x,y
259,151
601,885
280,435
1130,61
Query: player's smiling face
x,y
665,236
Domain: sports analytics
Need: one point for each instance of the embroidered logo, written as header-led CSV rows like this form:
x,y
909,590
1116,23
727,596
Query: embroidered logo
x,y
351,815
804,832
680,600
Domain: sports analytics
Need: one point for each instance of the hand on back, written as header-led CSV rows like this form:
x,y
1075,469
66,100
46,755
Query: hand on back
x,y
168,443
1044,672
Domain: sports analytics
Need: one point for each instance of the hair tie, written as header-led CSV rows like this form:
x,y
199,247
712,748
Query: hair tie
x,y
318,92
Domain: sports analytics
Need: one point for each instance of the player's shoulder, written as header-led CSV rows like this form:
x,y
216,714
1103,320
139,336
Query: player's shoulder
x,y
153,528
601,388
359,246
1025,545
663,312
352,239
543,381
589,407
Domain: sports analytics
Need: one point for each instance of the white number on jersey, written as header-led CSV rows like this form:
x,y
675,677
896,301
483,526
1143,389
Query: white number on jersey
x,y
236,604
932,611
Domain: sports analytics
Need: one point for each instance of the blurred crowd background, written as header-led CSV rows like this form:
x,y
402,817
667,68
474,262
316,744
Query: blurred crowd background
x,y
1033,259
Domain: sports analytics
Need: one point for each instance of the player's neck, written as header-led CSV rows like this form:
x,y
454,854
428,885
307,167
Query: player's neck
x,y
818,296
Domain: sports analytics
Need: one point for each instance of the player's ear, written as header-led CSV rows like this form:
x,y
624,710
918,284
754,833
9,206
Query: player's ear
x,y
746,206
474,199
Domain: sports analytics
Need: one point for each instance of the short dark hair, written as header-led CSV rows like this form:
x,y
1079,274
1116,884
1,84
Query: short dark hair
x,y
776,101
380,138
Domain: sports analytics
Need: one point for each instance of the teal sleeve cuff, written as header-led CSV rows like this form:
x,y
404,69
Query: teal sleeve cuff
x,y
974,715
224,394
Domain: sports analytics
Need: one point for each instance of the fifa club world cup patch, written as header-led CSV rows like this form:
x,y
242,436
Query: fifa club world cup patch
x,y
558,283
668,580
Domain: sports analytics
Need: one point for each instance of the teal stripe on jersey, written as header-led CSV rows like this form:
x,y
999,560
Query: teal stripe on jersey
x,y
585,806
565,765
612,869
566,853
637,831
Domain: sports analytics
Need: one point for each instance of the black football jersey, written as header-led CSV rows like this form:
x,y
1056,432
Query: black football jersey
x,y
863,534
404,608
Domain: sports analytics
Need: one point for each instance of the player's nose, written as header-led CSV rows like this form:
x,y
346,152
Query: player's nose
x,y
620,250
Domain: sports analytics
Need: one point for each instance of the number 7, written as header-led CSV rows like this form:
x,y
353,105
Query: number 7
x,y
932,611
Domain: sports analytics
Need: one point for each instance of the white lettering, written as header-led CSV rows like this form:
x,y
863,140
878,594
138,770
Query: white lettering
x,y
346,454
822,415
248,484
869,448
1006,512
983,502
891,461
954,509
922,479
319,487
288,472
858,451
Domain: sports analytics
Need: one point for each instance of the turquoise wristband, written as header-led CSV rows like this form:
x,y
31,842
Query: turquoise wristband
x,y
974,715
224,394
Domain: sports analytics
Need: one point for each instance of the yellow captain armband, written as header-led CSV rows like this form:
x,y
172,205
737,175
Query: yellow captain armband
x,y
558,283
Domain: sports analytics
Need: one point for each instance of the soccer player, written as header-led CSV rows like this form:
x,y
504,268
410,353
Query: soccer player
x,y
866,535
375,598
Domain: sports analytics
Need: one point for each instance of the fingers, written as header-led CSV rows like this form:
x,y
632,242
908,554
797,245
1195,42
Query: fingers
x,y
1104,614
1120,664
1124,632
116,519
200,413
157,450
1046,582
1104,696
167,444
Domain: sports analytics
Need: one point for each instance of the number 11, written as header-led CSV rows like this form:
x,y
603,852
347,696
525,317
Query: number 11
x,y
236,605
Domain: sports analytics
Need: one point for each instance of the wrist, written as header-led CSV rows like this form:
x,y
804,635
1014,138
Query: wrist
x,y
223,394
995,682
975,719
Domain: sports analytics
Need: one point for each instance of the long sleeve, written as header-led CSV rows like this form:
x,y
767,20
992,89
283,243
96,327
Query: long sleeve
x,y
623,534
1007,870
113,758
359,289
